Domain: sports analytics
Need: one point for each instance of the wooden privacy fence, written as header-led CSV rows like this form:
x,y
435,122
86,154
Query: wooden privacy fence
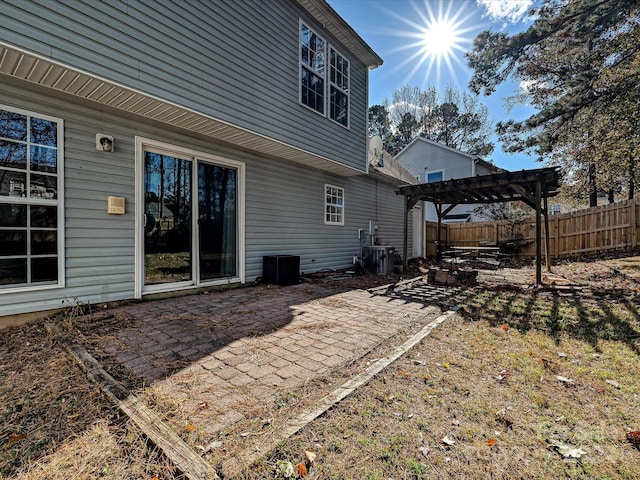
x,y
605,227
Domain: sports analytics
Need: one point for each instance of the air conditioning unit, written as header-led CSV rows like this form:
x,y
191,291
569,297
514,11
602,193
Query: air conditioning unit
x,y
378,259
281,269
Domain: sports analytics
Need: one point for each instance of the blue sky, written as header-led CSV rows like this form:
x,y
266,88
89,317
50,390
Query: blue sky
x,y
395,29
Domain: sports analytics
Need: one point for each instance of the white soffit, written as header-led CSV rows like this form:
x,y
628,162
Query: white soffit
x,y
48,73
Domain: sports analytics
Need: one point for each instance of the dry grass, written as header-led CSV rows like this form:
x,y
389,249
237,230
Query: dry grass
x,y
56,425
517,374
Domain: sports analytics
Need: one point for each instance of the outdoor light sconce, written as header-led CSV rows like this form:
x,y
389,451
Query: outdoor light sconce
x,y
104,143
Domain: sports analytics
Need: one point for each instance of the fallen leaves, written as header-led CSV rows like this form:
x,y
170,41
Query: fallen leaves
x,y
210,447
448,441
564,380
613,383
547,363
15,437
568,451
503,417
491,442
634,438
285,469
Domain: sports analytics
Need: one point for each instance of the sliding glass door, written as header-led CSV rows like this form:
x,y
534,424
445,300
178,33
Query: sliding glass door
x,y
217,221
190,220
167,219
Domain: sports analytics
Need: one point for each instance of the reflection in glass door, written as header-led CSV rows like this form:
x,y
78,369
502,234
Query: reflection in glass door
x,y
167,219
217,221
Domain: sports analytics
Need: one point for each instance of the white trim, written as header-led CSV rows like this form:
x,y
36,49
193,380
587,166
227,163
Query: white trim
x,y
58,203
195,156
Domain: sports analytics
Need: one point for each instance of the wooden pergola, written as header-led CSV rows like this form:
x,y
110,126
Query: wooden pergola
x,y
532,187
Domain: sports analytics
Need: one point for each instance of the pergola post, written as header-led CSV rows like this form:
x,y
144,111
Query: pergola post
x,y
547,247
438,233
405,246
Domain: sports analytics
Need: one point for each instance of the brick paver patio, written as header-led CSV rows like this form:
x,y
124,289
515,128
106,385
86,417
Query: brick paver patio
x,y
236,351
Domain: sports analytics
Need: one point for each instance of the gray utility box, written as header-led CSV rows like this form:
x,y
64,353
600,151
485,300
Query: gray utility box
x,y
378,259
281,269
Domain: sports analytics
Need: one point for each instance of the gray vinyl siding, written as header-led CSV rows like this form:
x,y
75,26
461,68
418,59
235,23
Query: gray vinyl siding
x,y
285,215
284,211
99,252
198,53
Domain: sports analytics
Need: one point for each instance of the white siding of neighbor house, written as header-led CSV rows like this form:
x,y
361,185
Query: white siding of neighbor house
x,y
237,61
421,157
284,204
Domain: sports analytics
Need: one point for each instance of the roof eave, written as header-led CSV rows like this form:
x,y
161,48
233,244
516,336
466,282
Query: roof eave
x,y
36,69
334,23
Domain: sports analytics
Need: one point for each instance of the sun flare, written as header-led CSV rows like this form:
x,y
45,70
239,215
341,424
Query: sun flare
x,y
440,38
439,32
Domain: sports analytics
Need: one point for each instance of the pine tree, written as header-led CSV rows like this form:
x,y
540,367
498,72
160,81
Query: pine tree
x,y
579,64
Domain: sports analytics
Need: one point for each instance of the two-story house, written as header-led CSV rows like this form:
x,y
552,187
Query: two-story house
x,y
430,161
152,146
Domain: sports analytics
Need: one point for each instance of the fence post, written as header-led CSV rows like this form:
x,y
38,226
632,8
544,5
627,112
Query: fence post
x,y
557,237
634,224
538,232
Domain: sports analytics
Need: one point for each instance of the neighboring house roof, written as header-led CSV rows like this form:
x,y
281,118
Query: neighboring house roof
x,y
329,19
488,165
390,168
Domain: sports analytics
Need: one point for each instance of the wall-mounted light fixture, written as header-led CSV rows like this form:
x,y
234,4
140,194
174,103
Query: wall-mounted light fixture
x,y
105,143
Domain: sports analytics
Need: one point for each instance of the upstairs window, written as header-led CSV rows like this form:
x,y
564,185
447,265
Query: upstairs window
x,y
324,87
312,70
30,208
334,205
339,89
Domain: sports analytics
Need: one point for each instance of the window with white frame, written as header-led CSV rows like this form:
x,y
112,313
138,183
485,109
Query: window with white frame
x,y
339,88
30,208
323,87
312,69
334,205
434,176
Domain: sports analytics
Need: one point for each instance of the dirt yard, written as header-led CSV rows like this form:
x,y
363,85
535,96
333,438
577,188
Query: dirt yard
x,y
523,382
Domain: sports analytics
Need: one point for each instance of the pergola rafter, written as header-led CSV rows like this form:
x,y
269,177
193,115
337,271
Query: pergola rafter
x,y
533,187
